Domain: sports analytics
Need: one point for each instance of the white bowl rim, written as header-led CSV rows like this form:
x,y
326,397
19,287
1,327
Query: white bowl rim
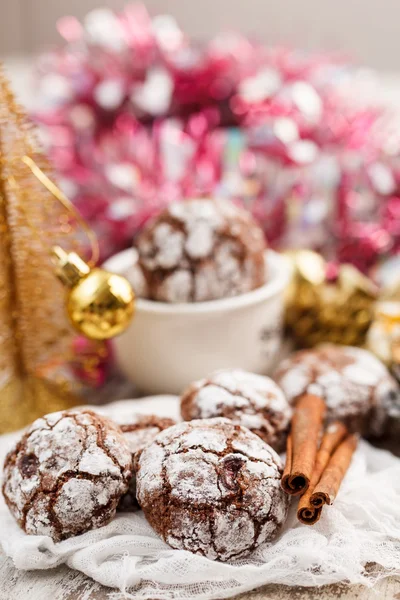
x,y
279,269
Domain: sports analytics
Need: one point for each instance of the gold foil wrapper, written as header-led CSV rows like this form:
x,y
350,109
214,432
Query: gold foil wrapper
x,y
24,400
322,310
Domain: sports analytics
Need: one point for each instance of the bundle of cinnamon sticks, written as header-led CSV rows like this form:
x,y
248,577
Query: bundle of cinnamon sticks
x,y
316,458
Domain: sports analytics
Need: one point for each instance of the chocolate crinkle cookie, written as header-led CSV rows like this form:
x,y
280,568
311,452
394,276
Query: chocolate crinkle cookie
x,y
139,433
67,474
357,388
198,250
211,487
254,401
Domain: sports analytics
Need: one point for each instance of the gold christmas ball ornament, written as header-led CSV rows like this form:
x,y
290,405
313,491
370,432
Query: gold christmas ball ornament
x,y
326,303
100,305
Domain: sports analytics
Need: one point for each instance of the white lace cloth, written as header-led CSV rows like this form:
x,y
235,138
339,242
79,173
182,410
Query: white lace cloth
x,y
363,526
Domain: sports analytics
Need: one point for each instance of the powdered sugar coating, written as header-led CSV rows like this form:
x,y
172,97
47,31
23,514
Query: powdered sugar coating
x,y
200,250
67,474
254,401
356,386
211,487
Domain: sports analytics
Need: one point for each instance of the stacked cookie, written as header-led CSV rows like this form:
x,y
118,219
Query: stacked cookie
x,y
210,485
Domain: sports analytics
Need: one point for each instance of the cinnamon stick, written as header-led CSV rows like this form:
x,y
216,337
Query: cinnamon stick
x,y
334,434
288,463
302,444
328,486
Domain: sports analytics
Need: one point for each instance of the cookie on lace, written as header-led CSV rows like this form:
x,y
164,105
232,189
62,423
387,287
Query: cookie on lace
x,y
254,401
67,474
140,432
211,487
355,385
199,250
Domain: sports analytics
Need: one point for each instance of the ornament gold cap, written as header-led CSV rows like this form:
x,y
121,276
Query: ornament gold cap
x,y
70,268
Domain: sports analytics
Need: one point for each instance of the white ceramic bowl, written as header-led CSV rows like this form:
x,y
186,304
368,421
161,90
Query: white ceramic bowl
x,y
167,346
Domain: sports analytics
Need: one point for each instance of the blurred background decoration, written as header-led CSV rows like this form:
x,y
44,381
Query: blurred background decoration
x,y
361,28
136,114
42,360
327,302
137,111
137,108
35,335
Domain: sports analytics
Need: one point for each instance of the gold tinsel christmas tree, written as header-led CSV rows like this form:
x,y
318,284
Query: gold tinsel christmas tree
x,y
35,335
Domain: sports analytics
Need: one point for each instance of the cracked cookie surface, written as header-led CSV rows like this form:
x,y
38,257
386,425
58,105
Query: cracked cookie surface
x,y
67,474
140,432
199,250
211,487
357,388
254,401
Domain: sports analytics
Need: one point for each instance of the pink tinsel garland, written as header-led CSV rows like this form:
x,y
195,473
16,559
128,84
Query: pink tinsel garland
x,y
136,115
